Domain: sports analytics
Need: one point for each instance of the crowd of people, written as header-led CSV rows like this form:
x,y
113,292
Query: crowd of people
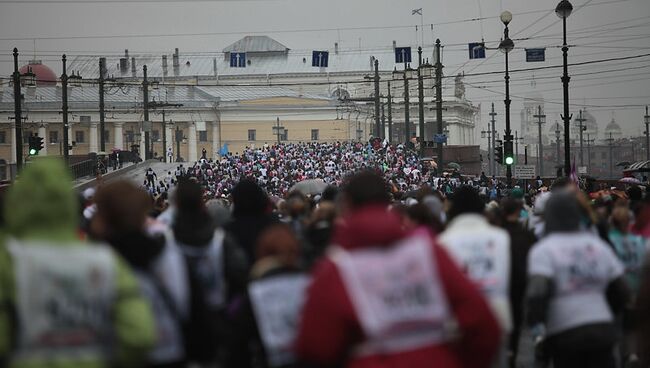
x,y
222,264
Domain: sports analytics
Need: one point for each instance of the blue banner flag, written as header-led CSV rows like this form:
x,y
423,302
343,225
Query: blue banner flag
x,y
224,150
535,55
476,50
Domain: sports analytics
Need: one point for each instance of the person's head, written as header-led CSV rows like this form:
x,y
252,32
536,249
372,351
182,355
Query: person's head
x,y
365,189
621,218
249,199
562,212
279,244
42,203
465,200
511,209
122,209
189,197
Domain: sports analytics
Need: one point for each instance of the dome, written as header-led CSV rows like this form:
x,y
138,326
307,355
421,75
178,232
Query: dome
x,y
44,75
614,129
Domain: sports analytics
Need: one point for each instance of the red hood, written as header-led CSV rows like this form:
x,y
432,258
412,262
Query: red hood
x,y
368,226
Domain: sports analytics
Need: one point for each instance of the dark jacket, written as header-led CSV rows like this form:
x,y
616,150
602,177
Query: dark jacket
x,y
245,348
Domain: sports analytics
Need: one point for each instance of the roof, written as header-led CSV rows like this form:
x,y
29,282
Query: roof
x,y
256,44
613,127
232,94
193,65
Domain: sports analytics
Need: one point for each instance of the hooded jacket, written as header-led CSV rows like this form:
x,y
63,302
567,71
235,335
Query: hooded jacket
x,y
331,329
41,207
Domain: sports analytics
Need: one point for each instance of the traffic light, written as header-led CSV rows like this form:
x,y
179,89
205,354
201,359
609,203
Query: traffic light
x,y
35,144
509,157
498,154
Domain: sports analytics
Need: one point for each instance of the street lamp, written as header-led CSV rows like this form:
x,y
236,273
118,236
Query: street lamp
x,y
405,75
563,10
488,134
506,46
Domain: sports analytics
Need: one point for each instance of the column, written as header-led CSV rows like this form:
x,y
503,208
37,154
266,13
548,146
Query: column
x,y
117,133
42,132
216,137
142,152
71,138
191,137
93,137
171,140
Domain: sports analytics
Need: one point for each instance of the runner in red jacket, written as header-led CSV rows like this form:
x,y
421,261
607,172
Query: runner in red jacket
x,y
385,297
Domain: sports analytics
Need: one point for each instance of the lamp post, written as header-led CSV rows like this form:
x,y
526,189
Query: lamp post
x,y
146,124
424,71
506,46
377,101
441,128
563,10
646,120
405,75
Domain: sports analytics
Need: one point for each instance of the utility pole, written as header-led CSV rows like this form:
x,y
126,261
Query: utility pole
x,y
487,134
407,106
557,142
377,100
155,105
64,99
610,140
383,123
540,147
580,120
438,67
646,120
516,144
278,128
390,115
420,102
145,96
492,129
589,142
18,114
102,117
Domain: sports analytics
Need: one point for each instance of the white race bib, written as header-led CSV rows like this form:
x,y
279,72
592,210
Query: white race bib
x,y
64,296
397,295
277,302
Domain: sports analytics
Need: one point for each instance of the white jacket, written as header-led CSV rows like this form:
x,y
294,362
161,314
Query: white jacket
x,y
482,251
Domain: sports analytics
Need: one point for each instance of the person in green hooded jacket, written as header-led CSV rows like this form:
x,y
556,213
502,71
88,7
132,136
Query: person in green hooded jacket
x,y
63,302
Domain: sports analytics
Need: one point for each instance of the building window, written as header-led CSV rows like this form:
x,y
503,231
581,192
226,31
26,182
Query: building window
x,y
79,136
130,136
203,136
285,135
54,136
106,136
314,134
3,137
252,134
155,135
26,135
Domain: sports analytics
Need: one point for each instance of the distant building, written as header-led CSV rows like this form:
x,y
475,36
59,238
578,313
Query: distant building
x,y
237,106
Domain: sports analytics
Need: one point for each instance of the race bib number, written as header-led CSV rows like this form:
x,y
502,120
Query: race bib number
x,y
485,262
64,295
277,303
396,292
582,268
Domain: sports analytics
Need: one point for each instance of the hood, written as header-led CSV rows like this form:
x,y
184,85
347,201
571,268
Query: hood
x,y
368,226
562,213
42,203
138,249
193,228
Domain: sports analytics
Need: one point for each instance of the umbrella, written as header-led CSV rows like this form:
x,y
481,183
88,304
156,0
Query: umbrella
x,y
630,180
453,165
310,186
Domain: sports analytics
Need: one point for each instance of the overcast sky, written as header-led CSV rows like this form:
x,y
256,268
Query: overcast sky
x,y
599,29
